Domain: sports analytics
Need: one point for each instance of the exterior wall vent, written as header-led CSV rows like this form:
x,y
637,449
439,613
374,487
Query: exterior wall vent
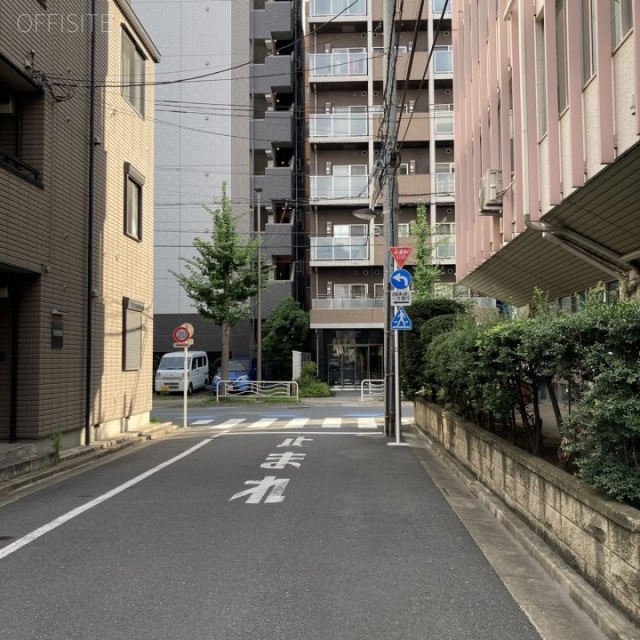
x,y
490,197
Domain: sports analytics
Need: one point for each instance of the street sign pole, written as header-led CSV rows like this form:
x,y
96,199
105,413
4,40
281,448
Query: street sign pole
x,y
182,338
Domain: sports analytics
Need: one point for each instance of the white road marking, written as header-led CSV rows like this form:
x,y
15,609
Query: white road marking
x,y
54,524
296,423
262,424
199,422
367,423
229,423
331,423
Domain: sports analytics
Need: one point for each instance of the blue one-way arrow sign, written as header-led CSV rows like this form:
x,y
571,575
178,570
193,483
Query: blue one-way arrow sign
x,y
401,279
401,321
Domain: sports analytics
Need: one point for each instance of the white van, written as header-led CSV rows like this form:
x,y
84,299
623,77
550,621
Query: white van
x,y
171,370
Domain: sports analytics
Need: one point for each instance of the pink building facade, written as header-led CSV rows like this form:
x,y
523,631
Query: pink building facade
x,y
547,146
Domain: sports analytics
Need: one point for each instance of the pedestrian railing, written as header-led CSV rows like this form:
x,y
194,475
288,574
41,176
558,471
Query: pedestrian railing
x,y
371,389
263,389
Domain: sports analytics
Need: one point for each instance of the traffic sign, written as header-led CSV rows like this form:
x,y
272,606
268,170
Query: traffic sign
x,y
401,298
182,345
181,334
401,279
401,321
400,254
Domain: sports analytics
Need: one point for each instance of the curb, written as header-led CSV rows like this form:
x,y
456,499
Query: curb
x,y
613,624
77,457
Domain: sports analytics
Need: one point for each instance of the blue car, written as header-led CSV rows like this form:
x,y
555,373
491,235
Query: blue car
x,y
242,372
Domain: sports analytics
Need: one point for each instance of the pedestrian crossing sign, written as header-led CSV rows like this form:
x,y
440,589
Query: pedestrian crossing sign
x,y
401,321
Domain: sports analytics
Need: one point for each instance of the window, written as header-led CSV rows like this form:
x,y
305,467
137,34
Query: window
x,y
561,51
350,291
134,181
132,73
588,39
621,20
378,291
132,334
21,124
349,230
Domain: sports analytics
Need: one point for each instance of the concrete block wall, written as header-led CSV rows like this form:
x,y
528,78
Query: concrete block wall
x,y
599,538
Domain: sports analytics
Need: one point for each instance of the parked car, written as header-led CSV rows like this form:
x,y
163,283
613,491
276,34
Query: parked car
x,y
242,371
170,373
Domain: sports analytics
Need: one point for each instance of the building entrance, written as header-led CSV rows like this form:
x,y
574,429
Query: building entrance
x,y
350,365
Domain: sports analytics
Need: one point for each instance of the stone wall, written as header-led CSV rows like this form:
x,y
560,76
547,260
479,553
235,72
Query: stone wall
x,y
599,538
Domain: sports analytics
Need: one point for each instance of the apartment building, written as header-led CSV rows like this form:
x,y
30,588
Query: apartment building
x,y
224,114
547,132
345,109
76,187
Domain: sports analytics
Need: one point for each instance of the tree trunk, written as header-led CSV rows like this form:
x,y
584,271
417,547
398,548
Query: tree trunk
x,y
226,344
554,403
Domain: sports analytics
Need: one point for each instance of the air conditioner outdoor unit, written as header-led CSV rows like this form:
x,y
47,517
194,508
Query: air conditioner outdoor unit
x,y
491,192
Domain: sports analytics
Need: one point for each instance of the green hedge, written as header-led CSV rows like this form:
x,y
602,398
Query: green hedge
x,y
492,373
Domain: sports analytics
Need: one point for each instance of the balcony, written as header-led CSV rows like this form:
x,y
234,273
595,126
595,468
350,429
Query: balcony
x,y
276,128
413,188
420,60
443,121
330,127
274,76
414,126
437,6
443,186
275,184
338,65
274,22
348,9
409,8
342,313
335,252
339,189
442,62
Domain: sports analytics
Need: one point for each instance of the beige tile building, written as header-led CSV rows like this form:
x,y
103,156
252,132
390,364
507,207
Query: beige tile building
x,y
76,193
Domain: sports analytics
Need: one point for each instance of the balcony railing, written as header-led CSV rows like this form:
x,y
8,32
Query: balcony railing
x,y
438,6
332,249
335,7
330,125
19,167
443,121
443,60
347,303
352,63
339,187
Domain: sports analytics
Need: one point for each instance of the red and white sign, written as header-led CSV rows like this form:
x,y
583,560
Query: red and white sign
x,y
181,334
400,254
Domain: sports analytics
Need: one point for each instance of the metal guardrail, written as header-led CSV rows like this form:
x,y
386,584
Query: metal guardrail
x,y
371,389
263,389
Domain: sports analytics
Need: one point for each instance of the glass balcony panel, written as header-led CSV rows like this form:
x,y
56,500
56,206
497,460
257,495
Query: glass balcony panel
x,y
335,7
338,64
443,60
339,187
444,123
438,6
332,249
445,184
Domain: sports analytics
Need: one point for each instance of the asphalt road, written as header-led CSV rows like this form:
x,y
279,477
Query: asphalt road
x,y
274,531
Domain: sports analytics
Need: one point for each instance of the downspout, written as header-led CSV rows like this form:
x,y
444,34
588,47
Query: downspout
x,y
92,116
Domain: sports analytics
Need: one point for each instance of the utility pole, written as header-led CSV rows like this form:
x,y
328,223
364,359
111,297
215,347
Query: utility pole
x,y
258,191
390,205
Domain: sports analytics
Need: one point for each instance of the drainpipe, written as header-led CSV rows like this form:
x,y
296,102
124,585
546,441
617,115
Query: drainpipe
x,y
92,117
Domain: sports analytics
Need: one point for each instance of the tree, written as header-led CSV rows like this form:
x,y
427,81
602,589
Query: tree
x,y
223,276
425,273
284,331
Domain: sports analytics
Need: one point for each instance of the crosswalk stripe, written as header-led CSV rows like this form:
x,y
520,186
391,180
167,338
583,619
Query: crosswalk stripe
x,y
262,424
229,423
201,422
296,423
331,423
367,423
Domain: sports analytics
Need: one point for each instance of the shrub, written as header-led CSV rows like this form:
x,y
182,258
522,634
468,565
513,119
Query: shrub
x,y
309,386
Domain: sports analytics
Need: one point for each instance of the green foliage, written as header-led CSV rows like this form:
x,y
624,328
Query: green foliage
x,y
222,277
309,386
495,370
425,273
413,344
284,331
56,440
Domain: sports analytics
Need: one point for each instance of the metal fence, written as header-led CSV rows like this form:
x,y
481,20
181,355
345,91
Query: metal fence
x,y
263,389
371,389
